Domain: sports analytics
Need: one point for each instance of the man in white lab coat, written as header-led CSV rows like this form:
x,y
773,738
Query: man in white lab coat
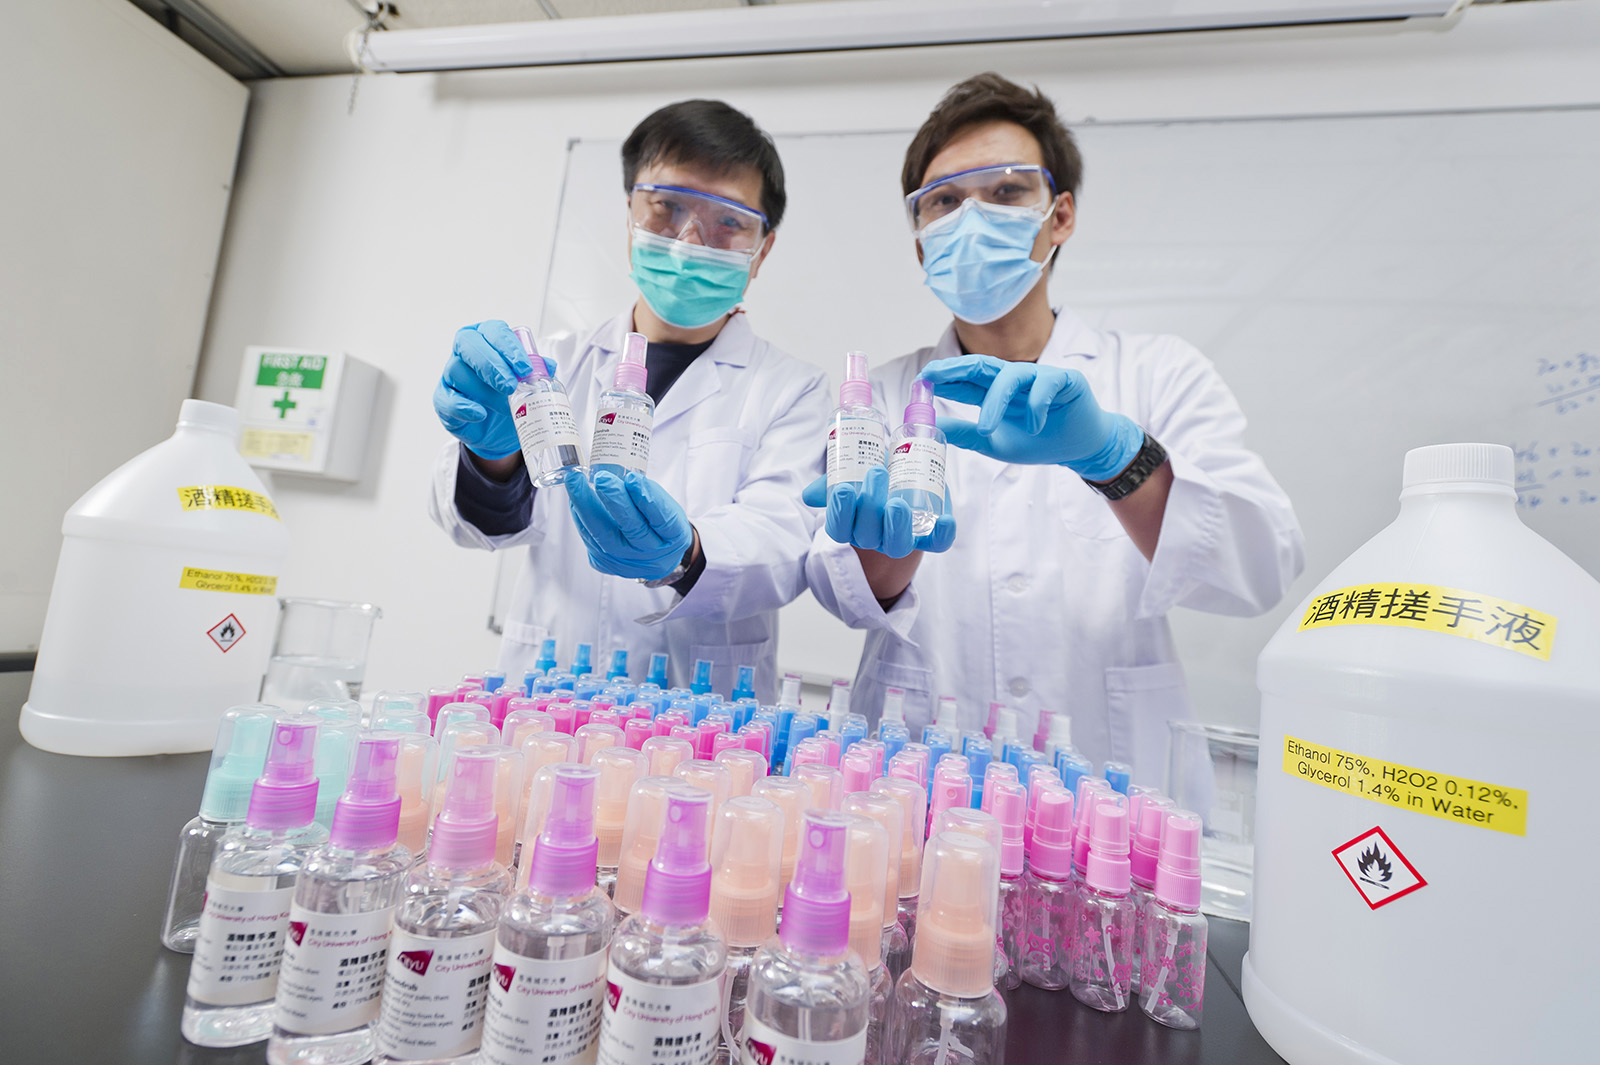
x,y
695,559
1103,482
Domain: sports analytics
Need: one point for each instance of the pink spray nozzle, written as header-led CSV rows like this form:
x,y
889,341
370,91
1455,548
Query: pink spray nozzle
x,y
677,886
464,834
1147,825
1009,806
858,772
564,860
816,908
367,816
630,371
286,794
1178,873
1087,788
539,369
856,391
1050,852
920,410
1108,868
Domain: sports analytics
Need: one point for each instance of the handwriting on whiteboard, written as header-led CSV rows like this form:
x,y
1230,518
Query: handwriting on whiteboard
x,y
1557,474
1570,384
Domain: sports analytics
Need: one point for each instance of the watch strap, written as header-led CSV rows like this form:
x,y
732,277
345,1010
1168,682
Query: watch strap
x,y
1149,459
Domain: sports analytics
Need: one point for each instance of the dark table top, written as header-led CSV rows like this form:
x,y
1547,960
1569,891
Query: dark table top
x,y
86,849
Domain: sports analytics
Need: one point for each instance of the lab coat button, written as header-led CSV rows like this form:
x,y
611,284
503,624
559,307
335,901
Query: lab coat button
x,y
1018,584
1019,686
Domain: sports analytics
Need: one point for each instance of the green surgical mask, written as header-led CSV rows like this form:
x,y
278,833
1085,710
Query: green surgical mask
x,y
687,285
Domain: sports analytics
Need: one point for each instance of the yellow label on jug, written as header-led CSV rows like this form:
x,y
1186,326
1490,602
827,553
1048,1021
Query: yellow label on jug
x,y
216,580
225,497
1471,802
1436,609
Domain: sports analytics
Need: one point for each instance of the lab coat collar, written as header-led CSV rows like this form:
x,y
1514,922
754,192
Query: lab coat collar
x,y
700,381
1070,337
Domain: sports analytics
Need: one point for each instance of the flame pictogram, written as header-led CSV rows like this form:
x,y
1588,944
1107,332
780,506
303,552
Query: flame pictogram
x,y
1370,857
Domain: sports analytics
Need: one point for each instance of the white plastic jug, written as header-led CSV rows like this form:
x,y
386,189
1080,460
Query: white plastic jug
x,y
1430,724
163,606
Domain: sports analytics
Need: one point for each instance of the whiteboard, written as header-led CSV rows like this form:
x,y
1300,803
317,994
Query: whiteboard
x,y
1365,284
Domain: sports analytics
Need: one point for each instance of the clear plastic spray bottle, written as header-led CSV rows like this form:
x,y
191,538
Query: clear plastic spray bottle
x,y
1103,947
916,460
239,945
542,414
858,433
1048,894
441,952
867,868
549,977
339,923
1175,929
625,417
1007,801
663,994
746,864
913,802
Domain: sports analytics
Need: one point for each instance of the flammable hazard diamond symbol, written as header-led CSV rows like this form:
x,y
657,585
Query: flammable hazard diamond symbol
x,y
1377,868
226,633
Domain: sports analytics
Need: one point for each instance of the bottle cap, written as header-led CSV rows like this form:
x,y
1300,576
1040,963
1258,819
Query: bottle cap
x,y
564,861
952,787
792,797
885,810
523,718
388,700
637,731
547,748
536,364
920,410
677,886
619,664
894,706
458,711
416,773
401,719
535,808
620,769
336,749
1118,775
995,773
866,861
972,822
745,767
825,782
285,796
1050,850
594,738
816,906
746,870
910,765
955,943
631,373
857,772
1178,871
641,832
665,752
1467,465
1060,734
1107,869
1146,852
367,815
914,814
464,834
856,391
1008,804
1088,787
581,662
240,755
658,670
713,779
547,654
947,716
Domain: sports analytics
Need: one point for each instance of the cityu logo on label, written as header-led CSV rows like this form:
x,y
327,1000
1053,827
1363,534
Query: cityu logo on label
x,y
833,434
608,419
522,411
613,994
503,975
763,1053
416,961
297,931
903,449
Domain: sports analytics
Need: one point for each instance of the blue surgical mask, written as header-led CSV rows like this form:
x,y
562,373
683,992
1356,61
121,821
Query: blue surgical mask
x,y
977,259
687,285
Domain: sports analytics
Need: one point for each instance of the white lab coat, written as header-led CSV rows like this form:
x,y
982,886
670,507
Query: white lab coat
x,y
736,438
1044,602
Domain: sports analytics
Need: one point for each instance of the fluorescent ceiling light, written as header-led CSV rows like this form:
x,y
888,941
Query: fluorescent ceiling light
x,y
843,25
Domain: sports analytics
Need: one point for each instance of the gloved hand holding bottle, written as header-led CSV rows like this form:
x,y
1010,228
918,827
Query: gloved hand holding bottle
x,y
863,515
1034,414
470,398
630,525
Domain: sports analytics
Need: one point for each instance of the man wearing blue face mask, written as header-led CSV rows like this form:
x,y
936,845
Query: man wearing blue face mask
x,y
1103,482
696,558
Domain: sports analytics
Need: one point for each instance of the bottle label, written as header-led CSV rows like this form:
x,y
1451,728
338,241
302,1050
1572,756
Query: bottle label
x,y
855,445
239,945
622,438
434,992
761,1045
653,1024
543,1012
917,465
543,420
332,970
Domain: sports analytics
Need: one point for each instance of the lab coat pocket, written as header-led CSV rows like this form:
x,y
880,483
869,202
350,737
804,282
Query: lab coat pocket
x,y
521,644
716,461
915,681
1140,700
1084,511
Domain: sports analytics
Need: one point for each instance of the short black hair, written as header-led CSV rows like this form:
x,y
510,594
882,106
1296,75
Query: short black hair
x,y
710,134
992,98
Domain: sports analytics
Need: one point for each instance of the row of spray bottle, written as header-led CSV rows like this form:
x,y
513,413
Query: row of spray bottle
x,y
548,432
859,440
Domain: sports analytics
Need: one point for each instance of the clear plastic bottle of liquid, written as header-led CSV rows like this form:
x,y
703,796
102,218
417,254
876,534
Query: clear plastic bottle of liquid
x,y
339,922
663,993
441,952
1048,894
542,414
625,417
1145,851
945,1008
746,863
914,810
1007,802
809,993
548,983
916,460
249,893
1103,947
858,432
236,763
1175,930
867,872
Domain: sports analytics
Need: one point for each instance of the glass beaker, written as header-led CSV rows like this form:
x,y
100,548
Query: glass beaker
x,y
320,652
1211,769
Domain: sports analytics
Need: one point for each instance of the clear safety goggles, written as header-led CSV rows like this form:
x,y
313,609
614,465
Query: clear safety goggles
x,y
1009,185
688,214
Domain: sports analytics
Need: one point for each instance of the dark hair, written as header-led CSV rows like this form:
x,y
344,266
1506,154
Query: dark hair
x,y
991,98
710,134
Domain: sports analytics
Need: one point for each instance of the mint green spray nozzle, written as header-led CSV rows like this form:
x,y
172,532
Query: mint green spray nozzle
x,y
240,755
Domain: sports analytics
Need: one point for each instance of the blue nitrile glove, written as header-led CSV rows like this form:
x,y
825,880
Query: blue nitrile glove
x,y
866,517
470,398
1034,414
630,525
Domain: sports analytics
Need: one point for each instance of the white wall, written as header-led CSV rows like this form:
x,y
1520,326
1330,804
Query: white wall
x,y
433,206
119,144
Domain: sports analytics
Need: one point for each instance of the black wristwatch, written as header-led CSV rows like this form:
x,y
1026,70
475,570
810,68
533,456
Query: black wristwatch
x,y
1149,459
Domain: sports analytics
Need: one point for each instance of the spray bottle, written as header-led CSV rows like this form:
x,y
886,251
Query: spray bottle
x,y
1175,929
625,416
873,878
1103,946
542,414
746,866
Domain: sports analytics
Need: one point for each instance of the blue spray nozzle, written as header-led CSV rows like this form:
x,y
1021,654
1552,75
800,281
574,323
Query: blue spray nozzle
x,y
547,656
702,677
493,679
583,663
619,665
658,671
745,687
1117,774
